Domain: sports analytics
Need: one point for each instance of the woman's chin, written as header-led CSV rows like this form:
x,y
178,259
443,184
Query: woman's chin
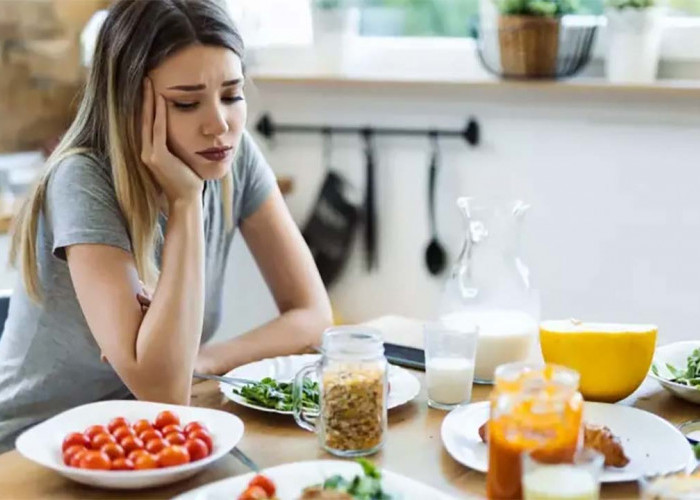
x,y
213,170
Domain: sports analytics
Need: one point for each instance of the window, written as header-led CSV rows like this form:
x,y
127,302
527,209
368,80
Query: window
x,y
454,18
284,29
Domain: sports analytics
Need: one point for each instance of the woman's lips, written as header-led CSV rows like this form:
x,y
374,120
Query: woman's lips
x,y
215,154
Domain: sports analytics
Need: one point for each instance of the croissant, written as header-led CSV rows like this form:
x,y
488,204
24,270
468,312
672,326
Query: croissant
x,y
597,437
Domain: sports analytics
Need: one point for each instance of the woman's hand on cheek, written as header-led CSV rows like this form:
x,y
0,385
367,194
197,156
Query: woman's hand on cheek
x,y
177,180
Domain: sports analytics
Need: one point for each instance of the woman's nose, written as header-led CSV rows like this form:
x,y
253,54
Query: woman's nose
x,y
215,124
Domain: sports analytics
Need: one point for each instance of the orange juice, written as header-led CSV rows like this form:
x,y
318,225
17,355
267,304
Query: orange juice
x,y
532,409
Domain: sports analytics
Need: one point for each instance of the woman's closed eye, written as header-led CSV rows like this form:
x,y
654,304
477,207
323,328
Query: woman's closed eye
x,y
186,106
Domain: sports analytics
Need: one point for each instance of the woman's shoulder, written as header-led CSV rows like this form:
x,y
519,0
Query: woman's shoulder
x,y
80,169
253,178
80,172
80,181
248,157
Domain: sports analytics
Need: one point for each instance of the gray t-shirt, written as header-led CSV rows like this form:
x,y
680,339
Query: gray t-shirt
x,y
49,360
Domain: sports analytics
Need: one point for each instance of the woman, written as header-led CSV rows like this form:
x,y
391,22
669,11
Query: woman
x,y
148,185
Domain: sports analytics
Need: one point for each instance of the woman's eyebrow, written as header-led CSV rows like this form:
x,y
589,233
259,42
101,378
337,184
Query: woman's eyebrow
x,y
201,86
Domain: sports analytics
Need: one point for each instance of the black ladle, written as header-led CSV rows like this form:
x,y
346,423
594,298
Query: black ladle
x,y
435,255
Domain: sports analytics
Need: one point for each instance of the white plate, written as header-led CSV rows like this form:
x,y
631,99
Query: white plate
x,y
404,385
677,355
291,479
42,443
652,444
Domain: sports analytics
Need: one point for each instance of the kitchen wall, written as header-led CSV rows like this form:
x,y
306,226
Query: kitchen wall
x,y
614,230
611,174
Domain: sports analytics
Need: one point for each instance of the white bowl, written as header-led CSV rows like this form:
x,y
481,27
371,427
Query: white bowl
x,y
677,355
42,443
290,479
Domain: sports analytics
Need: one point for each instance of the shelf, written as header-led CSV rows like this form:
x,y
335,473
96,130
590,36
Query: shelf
x,y
662,88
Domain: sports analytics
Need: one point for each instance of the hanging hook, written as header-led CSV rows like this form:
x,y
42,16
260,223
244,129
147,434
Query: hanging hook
x,y
327,146
434,143
367,134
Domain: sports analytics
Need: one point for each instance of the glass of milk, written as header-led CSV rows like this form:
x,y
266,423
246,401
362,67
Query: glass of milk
x,y
578,479
449,363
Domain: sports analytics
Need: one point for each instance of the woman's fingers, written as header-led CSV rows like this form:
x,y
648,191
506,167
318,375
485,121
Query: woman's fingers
x,y
144,297
144,302
147,121
159,126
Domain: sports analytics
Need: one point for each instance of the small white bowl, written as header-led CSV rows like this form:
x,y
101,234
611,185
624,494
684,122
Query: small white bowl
x,y
42,443
675,354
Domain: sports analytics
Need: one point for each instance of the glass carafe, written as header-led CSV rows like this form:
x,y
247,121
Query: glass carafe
x,y
490,286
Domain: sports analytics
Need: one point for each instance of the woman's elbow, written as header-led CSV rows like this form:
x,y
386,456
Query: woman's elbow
x,y
161,388
321,319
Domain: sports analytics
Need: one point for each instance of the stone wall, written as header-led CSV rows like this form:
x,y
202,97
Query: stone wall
x,y
40,69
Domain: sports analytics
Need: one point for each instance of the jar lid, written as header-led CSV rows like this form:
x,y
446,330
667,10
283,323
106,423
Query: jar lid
x,y
524,376
352,341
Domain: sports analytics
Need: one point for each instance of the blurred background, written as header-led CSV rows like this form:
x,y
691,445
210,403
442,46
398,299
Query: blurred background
x,y
597,128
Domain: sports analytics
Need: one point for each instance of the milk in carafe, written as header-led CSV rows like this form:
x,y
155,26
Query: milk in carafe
x,y
505,336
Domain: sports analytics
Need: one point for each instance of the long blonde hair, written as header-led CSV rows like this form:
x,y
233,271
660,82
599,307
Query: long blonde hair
x,y
135,38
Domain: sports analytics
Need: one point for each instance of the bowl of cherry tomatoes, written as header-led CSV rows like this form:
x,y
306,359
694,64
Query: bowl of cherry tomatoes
x,y
131,444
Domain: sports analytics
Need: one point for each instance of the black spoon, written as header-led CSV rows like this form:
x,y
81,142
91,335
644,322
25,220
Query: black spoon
x,y
435,255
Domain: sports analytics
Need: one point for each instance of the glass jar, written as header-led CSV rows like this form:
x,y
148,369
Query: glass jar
x,y
352,375
533,409
490,286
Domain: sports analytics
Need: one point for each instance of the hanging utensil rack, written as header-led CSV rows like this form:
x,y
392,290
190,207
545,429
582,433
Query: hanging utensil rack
x,y
268,128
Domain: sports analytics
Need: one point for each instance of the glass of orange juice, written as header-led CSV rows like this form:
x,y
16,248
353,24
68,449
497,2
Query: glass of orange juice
x,y
532,408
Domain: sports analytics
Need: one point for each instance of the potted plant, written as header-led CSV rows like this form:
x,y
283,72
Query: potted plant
x,y
334,23
635,29
528,36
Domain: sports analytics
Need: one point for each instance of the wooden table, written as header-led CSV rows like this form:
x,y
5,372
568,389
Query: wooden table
x,y
413,448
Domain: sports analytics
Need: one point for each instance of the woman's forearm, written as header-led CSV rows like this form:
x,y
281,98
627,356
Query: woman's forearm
x,y
169,336
295,331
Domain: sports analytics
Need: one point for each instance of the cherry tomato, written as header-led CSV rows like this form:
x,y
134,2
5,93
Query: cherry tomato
x,y
175,438
113,451
71,451
171,428
166,418
102,439
146,436
122,464
123,432
77,457
173,455
116,423
265,483
136,454
154,446
195,426
94,430
95,460
253,493
197,449
131,443
204,436
142,425
146,461
73,439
